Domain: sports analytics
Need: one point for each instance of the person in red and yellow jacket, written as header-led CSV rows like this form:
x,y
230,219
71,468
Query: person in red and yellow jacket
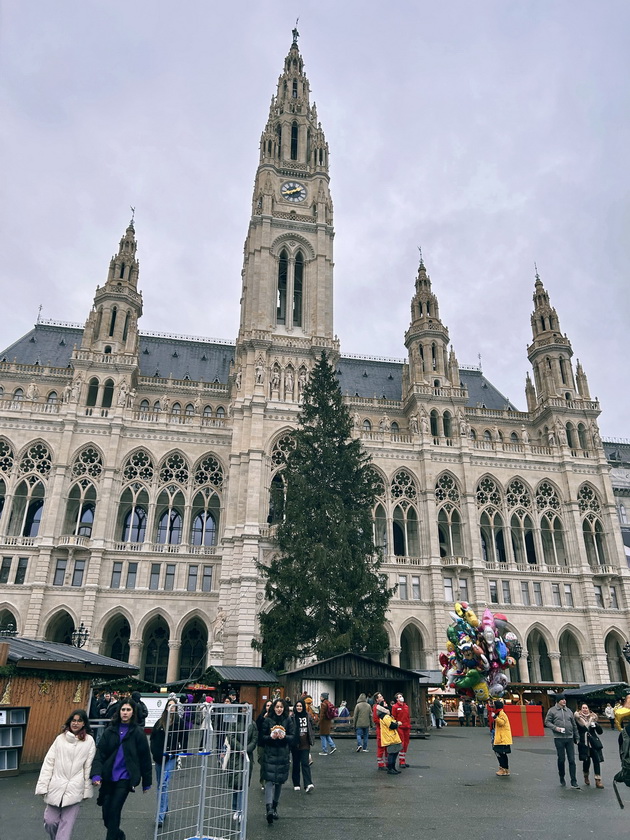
x,y
390,739
381,752
400,712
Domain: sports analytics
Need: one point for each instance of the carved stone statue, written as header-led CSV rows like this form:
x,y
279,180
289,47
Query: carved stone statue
x,y
424,420
67,393
301,381
561,434
76,389
218,625
524,435
288,384
597,441
551,437
237,381
122,394
260,372
413,424
463,424
197,405
32,392
275,379
165,403
356,420
384,423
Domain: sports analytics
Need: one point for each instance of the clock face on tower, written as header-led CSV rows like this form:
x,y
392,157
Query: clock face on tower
x,y
292,191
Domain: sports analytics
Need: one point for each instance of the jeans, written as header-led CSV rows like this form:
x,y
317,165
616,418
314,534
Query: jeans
x,y
565,746
169,766
362,736
327,741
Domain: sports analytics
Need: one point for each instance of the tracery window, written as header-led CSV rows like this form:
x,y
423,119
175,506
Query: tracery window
x,y
138,466
134,504
170,505
546,497
81,509
281,450
283,273
488,493
588,499
552,536
6,457
28,506
88,462
36,459
174,468
405,516
517,495
447,498
209,471
298,280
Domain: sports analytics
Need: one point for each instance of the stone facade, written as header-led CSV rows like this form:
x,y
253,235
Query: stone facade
x,y
140,473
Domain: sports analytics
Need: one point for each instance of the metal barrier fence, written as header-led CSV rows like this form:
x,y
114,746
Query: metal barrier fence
x,y
202,783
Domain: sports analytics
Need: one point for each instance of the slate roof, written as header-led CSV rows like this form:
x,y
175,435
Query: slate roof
x,y
245,674
208,360
348,666
31,653
594,688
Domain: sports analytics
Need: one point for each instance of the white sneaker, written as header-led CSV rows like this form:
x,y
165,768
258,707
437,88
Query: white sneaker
x,y
359,748
322,753
296,787
310,788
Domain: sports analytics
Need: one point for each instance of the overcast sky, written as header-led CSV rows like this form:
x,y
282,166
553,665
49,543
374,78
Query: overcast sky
x,y
493,134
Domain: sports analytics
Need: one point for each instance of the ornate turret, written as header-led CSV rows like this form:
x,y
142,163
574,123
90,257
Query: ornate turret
x,y
112,326
550,352
427,338
582,382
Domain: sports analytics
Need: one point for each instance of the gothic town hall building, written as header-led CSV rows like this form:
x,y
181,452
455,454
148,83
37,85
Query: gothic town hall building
x,y
138,471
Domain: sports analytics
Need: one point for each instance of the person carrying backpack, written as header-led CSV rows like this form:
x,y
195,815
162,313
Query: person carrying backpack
x,y
142,712
326,709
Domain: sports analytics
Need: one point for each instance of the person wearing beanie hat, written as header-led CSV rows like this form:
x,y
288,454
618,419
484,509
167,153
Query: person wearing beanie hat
x,y
502,738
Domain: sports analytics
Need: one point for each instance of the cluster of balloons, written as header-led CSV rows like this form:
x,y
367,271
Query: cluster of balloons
x,y
478,653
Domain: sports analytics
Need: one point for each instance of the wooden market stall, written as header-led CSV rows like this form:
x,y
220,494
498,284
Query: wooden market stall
x,y
346,676
41,683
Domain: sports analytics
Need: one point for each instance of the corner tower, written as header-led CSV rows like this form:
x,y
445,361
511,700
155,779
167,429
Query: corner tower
x,y
288,261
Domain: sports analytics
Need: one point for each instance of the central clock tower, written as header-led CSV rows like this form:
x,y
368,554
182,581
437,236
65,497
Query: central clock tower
x,y
286,322
288,267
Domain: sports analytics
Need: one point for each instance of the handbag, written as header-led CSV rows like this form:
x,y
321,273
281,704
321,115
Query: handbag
x,y
594,742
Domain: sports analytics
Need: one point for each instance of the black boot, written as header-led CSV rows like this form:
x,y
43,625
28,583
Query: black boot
x,y
269,814
274,811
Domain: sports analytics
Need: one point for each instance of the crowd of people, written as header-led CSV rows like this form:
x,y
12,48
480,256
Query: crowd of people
x,y
283,736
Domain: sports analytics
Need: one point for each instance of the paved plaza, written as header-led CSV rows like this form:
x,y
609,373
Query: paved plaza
x,y
449,791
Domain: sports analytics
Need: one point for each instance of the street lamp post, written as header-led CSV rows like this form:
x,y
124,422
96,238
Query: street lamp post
x,y
80,636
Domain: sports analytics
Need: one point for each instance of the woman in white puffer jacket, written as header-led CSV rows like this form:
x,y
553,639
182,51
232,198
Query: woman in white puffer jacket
x,y
64,780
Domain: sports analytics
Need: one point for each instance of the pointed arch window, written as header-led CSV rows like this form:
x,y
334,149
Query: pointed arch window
x,y
434,419
92,393
134,525
594,543
80,509
492,536
581,430
281,304
126,327
112,323
205,518
450,531
169,529
122,272
108,393
298,280
52,398
193,651
294,91
156,657
522,534
279,139
552,537
28,506
276,499
405,523
294,140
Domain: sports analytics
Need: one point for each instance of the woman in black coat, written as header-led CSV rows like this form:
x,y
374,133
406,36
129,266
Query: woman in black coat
x,y
122,760
589,745
278,736
301,749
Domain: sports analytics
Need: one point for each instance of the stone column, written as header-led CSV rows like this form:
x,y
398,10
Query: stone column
x,y
173,660
523,667
135,651
555,667
395,656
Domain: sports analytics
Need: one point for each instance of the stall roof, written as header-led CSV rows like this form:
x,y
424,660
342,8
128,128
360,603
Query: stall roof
x,y
350,666
244,674
596,688
54,656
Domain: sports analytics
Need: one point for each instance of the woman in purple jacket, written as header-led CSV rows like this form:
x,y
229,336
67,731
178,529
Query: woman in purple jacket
x,y
122,759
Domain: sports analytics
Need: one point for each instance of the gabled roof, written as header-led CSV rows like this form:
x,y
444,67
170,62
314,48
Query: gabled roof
x,y
351,666
54,656
595,688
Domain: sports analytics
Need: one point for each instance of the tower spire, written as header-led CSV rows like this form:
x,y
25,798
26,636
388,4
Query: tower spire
x,y
550,351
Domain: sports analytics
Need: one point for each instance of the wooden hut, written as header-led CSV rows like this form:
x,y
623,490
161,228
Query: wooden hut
x,y
41,683
346,676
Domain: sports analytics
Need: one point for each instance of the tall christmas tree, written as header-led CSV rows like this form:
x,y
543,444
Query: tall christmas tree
x,y
326,592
